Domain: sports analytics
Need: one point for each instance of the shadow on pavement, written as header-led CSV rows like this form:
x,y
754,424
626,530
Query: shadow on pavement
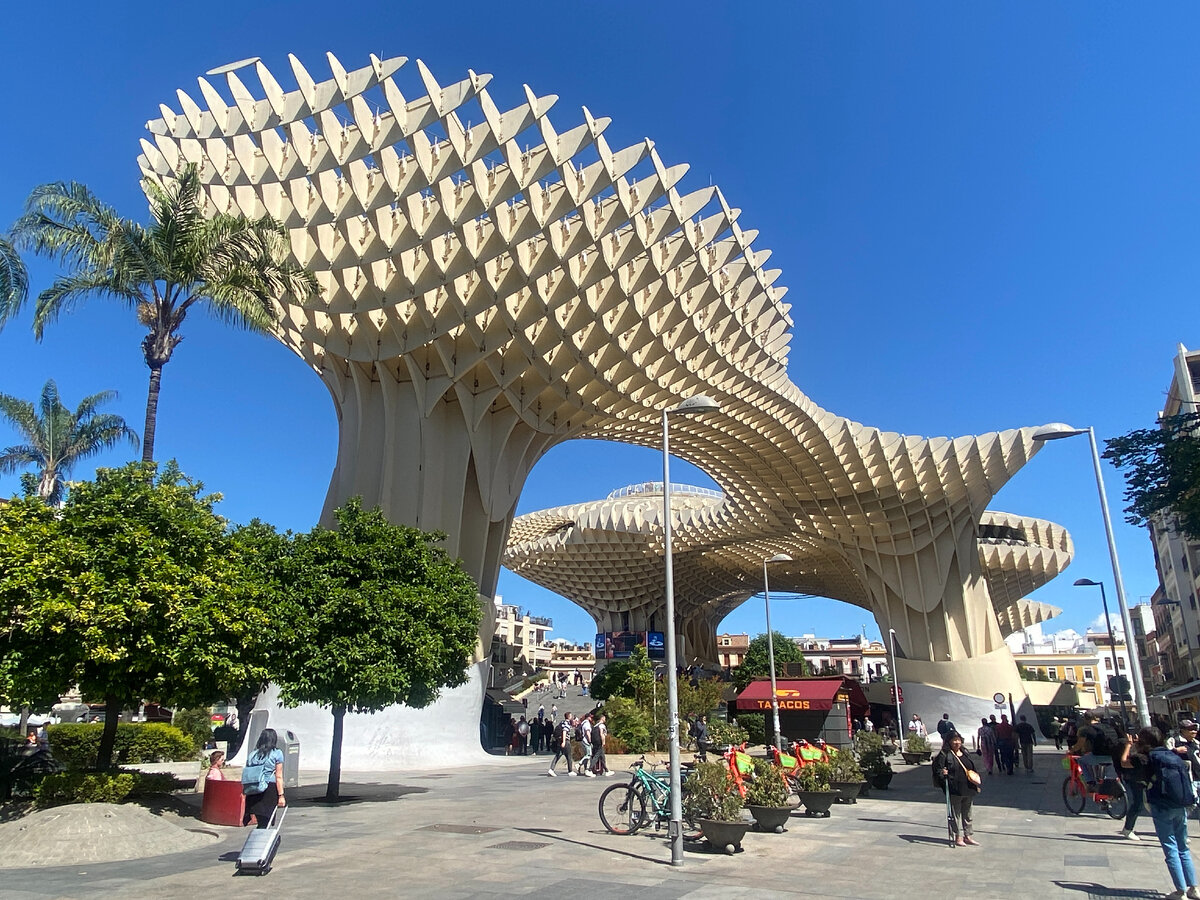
x,y
555,835
924,839
1098,890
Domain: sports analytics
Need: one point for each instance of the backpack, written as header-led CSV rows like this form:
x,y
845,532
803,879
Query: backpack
x,y
943,727
579,732
1170,781
1106,740
257,776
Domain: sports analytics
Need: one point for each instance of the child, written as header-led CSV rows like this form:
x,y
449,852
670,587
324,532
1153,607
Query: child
x,y
216,763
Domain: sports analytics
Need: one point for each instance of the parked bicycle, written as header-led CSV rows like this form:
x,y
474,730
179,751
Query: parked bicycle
x,y
644,800
741,766
1106,792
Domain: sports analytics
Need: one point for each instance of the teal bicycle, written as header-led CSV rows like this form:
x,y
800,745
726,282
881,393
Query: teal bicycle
x,y
645,800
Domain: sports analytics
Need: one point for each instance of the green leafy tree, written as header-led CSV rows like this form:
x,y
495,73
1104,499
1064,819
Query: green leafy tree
x,y
14,280
757,662
1163,471
383,616
611,681
56,438
129,591
237,267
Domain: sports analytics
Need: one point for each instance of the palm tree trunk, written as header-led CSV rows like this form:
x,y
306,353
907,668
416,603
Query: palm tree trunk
x,y
151,413
333,787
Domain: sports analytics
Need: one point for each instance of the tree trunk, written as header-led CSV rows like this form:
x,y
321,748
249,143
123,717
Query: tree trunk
x,y
24,723
335,757
151,413
108,738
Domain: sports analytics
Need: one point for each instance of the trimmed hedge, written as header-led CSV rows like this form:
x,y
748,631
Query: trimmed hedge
x,y
100,787
75,744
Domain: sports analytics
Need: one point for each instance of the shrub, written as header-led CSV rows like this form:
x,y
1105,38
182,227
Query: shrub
x,y
75,745
844,767
814,777
627,723
709,793
101,787
867,742
755,725
196,723
917,743
768,787
723,734
83,787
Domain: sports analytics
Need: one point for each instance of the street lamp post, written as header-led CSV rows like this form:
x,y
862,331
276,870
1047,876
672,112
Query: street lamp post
x,y
1112,640
692,405
895,684
778,557
1052,433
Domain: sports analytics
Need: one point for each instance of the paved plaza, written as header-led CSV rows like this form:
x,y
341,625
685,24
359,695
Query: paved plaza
x,y
509,830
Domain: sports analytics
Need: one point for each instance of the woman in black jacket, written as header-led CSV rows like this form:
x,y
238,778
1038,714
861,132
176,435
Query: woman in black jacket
x,y
954,767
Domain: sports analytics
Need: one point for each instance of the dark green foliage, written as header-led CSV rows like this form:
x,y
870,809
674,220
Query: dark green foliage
x,y
1163,474
75,745
768,787
843,766
101,787
196,723
817,776
382,615
724,734
917,743
755,725
612,681
757,663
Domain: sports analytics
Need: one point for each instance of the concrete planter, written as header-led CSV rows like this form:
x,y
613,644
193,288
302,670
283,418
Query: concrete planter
x,y
770,818
724,835
817,803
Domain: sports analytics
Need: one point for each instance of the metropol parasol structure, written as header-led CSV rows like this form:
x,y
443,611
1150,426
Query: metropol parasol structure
x,y
493,286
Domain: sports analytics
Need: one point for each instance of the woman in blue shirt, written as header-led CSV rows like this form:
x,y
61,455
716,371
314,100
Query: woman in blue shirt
x,y
262,805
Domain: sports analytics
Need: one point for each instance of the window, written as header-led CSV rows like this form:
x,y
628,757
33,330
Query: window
x,y
1121,663
1053,673
1089,674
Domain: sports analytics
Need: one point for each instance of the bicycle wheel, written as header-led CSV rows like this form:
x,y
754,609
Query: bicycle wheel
x,y
623,809
691,830
1073,796
1117,805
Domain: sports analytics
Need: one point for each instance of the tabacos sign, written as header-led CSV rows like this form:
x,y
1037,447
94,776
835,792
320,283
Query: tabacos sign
x,y
788,699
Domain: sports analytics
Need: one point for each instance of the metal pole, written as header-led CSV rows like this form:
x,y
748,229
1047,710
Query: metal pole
x,y
1135,664
900,729
1112,645
771,658
675,827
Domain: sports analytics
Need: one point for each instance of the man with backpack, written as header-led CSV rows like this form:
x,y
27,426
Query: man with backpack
x,y
583,737
1095,741
560,743
1170,794
1188,748
945,728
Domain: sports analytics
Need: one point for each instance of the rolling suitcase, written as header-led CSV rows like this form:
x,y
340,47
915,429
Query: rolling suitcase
x,y
261,845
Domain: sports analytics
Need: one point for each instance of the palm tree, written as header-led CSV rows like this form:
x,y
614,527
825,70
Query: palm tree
x,y
57,438
237,267
14,282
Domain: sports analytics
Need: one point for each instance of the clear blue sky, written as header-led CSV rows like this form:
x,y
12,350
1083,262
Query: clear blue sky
x,y
987,217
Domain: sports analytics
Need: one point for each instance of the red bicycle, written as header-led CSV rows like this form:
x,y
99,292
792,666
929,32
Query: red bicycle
x,y
1107,793
741,766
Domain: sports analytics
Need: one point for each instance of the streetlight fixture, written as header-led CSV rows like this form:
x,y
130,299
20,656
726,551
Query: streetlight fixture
x,y
896,684
691,406
777,558
1112,639
1054,432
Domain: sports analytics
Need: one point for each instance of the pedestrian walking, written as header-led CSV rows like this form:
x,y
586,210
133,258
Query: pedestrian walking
x,y
955,769
1054,732
945,728
916,726
523,737
1170,794
1133,769
1187,747
599,758
985,743
1026,737
583,734
1006,744
262,780
560,743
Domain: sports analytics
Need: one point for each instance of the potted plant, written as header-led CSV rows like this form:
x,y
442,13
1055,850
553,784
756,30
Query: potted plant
x,y
812,786
917,749
876,768
713,802
845,776
767,796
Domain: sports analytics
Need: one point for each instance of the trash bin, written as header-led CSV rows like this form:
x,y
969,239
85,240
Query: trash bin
x,y
291,760
223,803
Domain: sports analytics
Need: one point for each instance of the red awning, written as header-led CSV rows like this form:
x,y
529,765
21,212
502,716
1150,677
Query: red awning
x,y
801,695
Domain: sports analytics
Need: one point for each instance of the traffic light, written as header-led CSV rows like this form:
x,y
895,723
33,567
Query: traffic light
x,y
1118,687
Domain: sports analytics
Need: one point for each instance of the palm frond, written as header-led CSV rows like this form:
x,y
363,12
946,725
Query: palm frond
x,y
17,457
67,291
21,414
14,281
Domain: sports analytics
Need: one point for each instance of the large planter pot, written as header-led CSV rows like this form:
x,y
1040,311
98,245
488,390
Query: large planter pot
x,y
848,790
882,780
726,836
910,758
817,803
770,818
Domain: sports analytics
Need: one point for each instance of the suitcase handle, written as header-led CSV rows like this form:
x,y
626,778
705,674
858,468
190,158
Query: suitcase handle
x,y
277,817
